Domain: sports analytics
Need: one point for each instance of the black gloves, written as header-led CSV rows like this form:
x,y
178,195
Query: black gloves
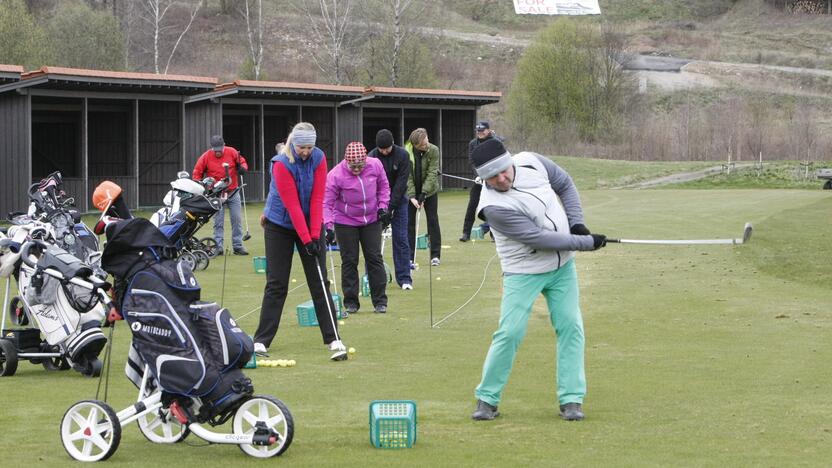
x,y
313,248
240,169
421,198
384,217
330,237
599,240
579,230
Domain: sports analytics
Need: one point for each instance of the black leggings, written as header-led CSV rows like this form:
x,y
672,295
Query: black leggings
x,y
280,244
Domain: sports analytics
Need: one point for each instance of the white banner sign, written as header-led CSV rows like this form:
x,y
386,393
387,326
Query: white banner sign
x,y
557,7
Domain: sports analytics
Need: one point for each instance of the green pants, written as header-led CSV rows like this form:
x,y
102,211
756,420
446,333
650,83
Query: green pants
x,y
560,288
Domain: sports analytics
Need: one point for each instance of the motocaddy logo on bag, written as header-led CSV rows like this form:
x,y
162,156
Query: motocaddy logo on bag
x,y
150,329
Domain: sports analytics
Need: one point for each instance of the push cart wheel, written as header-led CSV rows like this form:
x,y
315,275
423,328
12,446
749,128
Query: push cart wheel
x,y
59,363
161,427
90,431
209,246
17,312
8,358
276,417
188,259
202,259
828,185
89,367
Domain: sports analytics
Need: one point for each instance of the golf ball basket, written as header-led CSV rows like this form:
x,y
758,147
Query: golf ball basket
x,y
393,423
306,311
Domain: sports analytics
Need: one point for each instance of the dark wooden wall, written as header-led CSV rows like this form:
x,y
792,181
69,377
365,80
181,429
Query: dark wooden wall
x,y
15,118
159,149
457,131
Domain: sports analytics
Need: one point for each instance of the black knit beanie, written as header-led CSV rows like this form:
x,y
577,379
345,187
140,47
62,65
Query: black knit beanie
x,y
384,139
490,158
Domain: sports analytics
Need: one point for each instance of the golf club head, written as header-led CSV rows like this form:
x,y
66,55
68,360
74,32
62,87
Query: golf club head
x,y
340,355
246,237
746,233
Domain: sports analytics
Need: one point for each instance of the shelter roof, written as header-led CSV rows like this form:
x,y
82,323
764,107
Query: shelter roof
x,y
78,79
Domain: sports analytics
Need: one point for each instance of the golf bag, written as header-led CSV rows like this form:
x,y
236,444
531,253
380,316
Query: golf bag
x,y
193,348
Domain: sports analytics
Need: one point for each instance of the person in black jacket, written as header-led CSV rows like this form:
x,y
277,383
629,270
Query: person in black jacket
x,y
396,164
484,133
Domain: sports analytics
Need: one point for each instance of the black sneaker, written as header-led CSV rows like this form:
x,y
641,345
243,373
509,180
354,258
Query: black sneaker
x,y
381,309
240,251
464,237
571,412
485,412
351,309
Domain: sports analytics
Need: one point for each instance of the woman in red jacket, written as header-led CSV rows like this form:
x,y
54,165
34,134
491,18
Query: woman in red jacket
x,y
293,218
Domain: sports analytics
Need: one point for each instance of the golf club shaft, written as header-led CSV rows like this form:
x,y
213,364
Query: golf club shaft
x,y
327,299
674,241
458,177
245,210
746,236
416,234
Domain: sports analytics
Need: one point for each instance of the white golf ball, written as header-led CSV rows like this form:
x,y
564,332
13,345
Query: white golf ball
x,y
351,351
438,278
294,280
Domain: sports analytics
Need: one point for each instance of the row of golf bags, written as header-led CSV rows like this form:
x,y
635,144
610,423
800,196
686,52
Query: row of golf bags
x,y
67,315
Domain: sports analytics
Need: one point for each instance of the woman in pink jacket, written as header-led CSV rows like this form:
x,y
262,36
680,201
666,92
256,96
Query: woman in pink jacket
x,y
355,211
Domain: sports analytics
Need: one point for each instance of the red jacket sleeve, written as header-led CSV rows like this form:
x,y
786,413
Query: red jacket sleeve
x,y
288,191
316,205
199,168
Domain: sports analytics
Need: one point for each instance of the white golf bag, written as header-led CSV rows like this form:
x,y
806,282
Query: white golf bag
x,y
182,188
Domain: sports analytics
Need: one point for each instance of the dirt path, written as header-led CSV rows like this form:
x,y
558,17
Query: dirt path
x,y
680,177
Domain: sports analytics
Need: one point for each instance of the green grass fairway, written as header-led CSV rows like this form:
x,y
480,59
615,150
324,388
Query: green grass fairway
x,y
695,355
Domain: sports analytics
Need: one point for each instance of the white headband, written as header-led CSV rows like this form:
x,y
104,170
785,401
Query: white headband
x,y
494,166
304,137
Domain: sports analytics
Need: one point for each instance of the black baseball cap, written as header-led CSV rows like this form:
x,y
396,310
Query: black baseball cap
x,y
217,143
482,125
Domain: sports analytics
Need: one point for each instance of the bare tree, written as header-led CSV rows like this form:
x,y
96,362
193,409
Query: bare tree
x,y
335,16
254,31
152,14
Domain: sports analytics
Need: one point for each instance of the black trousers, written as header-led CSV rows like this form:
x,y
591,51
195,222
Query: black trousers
x,y
280,243
471,211
369,238
431,210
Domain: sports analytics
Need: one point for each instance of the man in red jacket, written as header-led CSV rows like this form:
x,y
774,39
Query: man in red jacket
x,y
211,164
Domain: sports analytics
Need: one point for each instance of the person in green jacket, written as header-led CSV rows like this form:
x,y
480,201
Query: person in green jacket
x,y
422,189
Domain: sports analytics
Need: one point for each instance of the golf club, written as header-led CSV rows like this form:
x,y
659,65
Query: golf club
x,y
746,236
340,354
416,238
332,264
247,236
473,181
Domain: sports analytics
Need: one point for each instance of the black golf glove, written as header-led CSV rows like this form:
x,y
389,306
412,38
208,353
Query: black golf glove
x,y
240,169
599,240
384,217
313,248
330,237
421,198
579,230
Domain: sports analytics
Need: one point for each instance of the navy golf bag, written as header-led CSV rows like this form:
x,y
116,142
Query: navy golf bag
x,y
193,348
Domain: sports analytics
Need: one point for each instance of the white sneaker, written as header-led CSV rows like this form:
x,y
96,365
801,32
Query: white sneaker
x,y
337,345
260,349
434,261
339,351
407,286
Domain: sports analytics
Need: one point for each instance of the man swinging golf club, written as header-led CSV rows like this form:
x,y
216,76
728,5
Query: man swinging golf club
x,y
535,214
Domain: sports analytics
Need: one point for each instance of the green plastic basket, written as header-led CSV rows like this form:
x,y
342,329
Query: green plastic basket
x,y
259,264
422,242
365,286
476,233
393,423
306,311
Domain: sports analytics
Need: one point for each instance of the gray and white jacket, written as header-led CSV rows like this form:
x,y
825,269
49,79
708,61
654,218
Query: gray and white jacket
x,y
531,221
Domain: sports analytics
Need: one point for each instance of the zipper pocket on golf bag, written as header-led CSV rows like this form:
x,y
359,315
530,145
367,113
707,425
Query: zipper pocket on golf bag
x,y
164,342
229,345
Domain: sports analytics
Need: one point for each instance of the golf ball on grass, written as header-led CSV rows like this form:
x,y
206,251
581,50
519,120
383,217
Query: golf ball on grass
x,y
438,278
351,350
340,322
294,280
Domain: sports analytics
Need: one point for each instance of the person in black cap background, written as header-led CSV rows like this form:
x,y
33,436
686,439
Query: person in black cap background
x,y
396,164
535,214
210,164
484,133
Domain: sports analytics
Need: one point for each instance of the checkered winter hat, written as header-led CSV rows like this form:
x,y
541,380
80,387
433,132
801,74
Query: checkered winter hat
x,y
356,153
